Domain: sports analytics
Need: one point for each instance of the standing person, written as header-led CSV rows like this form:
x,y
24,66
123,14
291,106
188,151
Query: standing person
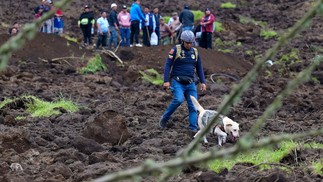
x,y
165,32
114,26
186,17
179,70
148,26
157,19
174,25
207,29
86,22
136,16
44,8
58,23
103,30
124,22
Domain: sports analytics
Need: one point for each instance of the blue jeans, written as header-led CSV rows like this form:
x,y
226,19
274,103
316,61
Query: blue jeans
x,y
191,28
180,92
113,37
125,36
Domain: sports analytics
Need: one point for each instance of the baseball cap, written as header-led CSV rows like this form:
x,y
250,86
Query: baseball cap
x,y
174,13
207,9
124,7
113,5
86,6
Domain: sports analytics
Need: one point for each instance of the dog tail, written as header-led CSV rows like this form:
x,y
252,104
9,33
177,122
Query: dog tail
x,y
196,104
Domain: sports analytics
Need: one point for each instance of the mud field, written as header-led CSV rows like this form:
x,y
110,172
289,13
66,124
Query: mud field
x,y
67,148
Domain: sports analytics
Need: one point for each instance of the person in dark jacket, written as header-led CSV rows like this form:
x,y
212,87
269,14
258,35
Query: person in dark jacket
x,y
157,18
183,60
186,17
114,26
148,26
86,22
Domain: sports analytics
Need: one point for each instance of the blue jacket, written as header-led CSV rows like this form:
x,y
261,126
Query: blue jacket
x,y
136,13
151,21
184,66
58,22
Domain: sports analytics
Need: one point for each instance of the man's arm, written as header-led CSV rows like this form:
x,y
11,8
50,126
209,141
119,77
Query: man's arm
x,y
199,70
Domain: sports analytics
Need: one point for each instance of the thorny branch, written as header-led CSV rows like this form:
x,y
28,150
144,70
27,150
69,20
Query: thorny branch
x,y
28,32
246,143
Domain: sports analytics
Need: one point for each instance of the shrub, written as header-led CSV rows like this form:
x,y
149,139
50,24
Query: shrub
x,y
267,34
152,76
228,5
198,15
94,65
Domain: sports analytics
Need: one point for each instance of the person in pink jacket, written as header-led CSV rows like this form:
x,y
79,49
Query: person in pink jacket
x,y
207,27
124,21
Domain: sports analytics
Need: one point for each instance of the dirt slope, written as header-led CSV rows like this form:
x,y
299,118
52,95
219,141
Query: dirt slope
x,y
55,148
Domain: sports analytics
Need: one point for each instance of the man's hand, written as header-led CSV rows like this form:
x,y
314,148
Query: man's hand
x,y
166,85
203,87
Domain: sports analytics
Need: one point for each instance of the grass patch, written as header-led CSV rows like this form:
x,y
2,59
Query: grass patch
x,y
246,20
268,34
198,15
318,167
71,39
228,5
94,65
166,18
264,155
152,76
40,108
225,50
218,26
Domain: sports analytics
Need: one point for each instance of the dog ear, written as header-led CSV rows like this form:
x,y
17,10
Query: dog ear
x,y
228,125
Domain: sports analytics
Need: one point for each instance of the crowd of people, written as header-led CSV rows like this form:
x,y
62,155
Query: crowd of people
x,y
129,22
113,28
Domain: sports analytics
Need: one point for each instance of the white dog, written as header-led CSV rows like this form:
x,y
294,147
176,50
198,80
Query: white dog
x,y
227,128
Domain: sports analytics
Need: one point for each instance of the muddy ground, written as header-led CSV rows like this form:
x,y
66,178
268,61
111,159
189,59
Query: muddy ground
x,y
67,148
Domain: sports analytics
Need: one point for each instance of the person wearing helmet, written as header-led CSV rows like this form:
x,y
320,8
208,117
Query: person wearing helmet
x,y
114,26
179,76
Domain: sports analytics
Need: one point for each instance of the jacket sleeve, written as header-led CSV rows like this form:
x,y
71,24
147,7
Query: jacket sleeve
x,y
199,70
169,64
140,14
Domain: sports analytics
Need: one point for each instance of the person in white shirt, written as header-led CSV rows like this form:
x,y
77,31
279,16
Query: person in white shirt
x,y
103,30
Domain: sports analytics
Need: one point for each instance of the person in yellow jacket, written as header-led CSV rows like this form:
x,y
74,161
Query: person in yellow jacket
x,y
86,23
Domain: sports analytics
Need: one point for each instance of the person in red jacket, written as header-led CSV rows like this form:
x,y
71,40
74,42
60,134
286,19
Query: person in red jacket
x,y
207,29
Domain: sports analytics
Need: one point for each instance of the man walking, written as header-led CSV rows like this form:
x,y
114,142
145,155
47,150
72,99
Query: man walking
x,y
103,30
114,26
179,72
86,22
124,22
148,27
136,16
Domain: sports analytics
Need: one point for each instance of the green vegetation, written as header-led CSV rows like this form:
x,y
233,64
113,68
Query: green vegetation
x,y
318,167
39,108
218,26
223,46
198,15
246,20
71,39
166,18
261,156
94,65
228,5
152,76
268,34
